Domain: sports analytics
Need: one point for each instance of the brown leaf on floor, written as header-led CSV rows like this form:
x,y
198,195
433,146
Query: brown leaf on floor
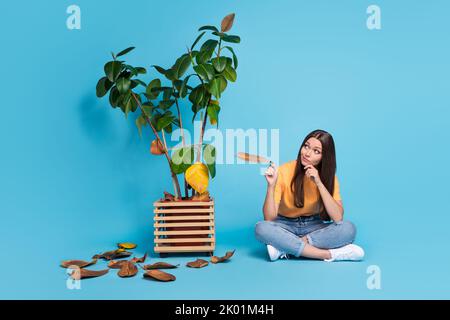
x,y
199,263
78,263
227,256
78,273
159,275
201,196
114,254
159,265
139,260
116,264
128,269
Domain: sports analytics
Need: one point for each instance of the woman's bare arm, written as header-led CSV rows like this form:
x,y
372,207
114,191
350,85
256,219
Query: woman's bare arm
x,y
270,208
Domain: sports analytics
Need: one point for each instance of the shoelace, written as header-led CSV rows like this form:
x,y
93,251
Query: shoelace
x,y
284,256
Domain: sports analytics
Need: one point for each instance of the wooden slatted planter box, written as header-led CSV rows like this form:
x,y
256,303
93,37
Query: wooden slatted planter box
x,y
184,226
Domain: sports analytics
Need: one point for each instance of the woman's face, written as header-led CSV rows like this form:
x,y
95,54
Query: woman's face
x,y
311,152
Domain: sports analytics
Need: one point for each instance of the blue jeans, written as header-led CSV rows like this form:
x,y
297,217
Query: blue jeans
x,y
285,233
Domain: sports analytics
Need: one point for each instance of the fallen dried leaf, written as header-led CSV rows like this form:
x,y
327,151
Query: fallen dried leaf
x,y
111,255
159,265
139,260
126,245
227,256
78,273
159,275
78,263
113,264
128,269
199,263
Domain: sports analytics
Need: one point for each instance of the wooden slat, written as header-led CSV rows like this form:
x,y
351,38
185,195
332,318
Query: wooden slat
x,y
184,249
183,224
183,203
208,210
183,232
177,240
162,218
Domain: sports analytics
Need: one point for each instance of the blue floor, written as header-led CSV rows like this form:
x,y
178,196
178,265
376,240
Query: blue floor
x,y
248,275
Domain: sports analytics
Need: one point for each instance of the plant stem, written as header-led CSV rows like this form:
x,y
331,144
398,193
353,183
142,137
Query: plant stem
x,y
186,194
164,139
174,176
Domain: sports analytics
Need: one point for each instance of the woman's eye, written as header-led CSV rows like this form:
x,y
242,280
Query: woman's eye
x,y
306,146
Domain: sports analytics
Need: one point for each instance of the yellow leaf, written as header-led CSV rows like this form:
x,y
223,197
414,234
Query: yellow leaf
x,y
197,176
126,245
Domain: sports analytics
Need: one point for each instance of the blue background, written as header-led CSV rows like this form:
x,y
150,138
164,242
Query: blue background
x,y
76,178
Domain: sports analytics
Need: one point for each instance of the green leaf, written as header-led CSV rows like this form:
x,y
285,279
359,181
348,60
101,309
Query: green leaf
x,y
132,69
103,86
208,28
164,120
123,52
220,34
141,70
147,109
230,73
112,70
235,59
171,74
181,65
209,157
205,71
155,83
184,86
160,70
214,88
222,83
219,63
140,122
166,104
167,93
197,95
126,103
114,97
123,85
204,56
197,40
209,45
233,39
182,159
213,113
142,83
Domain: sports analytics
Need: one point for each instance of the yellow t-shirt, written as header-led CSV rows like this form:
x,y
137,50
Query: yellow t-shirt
x,y
285,197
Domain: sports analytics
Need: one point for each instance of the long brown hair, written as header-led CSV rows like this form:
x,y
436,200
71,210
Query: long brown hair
x,y
326,169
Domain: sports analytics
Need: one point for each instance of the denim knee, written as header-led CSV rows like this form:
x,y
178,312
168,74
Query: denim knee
x,y
348,229
261,229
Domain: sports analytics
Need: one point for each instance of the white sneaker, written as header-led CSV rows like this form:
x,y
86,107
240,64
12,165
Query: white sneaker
x,y
350,252
275,254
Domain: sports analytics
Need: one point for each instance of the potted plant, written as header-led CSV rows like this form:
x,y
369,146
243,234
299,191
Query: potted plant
x,y
200,76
